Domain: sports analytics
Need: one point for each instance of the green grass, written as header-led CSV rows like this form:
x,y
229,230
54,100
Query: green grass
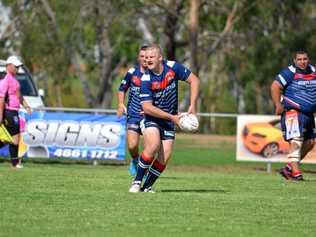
x,y
203,192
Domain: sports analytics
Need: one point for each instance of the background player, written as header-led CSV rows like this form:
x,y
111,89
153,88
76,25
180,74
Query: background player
x,y
297,86
134,112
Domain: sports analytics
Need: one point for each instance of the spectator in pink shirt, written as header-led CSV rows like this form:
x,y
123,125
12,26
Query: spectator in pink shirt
x,y
10,100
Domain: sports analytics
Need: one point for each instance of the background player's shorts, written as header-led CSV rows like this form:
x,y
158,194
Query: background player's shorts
x,y
134,124
165,134
11,121
297,124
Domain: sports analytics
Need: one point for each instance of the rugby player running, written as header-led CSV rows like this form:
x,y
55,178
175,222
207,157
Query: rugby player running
x,y
159,99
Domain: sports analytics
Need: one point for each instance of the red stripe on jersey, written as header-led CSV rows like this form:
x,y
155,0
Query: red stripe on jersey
x,y
156,85
136,80
307,77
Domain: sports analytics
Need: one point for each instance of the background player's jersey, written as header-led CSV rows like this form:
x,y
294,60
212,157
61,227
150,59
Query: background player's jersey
x,y
299,88
162,90
131,81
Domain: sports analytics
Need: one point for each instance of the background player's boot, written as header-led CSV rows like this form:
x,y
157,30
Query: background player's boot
x,y
297,176
286,173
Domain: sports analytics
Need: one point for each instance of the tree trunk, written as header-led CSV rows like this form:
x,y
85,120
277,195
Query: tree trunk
x,y
170,29
193,34
103,20
258,97
76,61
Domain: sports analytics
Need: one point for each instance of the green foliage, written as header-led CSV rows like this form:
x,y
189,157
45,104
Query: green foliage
x,y
238,70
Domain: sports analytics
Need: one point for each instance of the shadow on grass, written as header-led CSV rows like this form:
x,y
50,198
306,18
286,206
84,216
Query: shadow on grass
x,y
309,171
305,181
168,177
192,191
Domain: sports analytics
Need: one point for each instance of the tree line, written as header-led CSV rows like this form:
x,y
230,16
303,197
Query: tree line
x,y
79,50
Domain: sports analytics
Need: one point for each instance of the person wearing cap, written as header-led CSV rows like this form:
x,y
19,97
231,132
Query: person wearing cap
x,y
131,82
10,100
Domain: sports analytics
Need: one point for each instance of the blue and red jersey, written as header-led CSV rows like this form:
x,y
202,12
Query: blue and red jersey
x,y
162,90
132,82
299,88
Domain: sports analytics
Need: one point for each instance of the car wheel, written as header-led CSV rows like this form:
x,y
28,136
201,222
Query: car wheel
x,y
270,150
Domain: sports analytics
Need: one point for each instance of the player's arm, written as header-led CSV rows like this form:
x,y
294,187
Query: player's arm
x,y
24,103
4,87
124,86
26,106
154,111
276,93
184,74
121,109
194,82
1,108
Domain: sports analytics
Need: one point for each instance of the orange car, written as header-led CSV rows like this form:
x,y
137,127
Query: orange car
x,y
265,138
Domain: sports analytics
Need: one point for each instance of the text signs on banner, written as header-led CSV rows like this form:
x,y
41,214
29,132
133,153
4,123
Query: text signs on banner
x,y
74,135
259,138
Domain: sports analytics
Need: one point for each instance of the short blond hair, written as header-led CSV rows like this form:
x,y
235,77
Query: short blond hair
x,y
156,47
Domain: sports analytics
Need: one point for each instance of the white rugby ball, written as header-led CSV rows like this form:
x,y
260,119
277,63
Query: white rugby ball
x,y
188,122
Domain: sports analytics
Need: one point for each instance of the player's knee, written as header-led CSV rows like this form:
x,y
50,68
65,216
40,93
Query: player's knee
x,y
296,148
148,153
152,147
132,146
132,143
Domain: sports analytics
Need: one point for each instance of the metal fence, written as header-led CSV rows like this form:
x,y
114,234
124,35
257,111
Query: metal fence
x,y
210,123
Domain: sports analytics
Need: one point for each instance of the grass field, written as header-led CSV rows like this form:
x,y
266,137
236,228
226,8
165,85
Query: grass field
x,y
203,192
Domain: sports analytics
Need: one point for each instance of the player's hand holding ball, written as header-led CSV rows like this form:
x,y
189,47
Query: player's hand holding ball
x,y
188,122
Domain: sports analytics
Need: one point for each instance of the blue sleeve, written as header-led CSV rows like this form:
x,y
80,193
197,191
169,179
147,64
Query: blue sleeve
x,y
182,72
126,82
285,77
146,92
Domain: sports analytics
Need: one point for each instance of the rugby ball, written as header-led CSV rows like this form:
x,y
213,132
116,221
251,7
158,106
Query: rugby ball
x,y
188,122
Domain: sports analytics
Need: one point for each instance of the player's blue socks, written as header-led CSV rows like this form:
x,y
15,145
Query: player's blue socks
x,y
143,165
133,166
153,174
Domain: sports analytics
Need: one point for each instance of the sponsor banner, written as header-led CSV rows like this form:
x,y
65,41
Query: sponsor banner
x,y
259,138
82,136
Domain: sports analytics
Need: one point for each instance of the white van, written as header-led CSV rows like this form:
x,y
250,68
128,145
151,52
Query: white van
x,y
30,93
